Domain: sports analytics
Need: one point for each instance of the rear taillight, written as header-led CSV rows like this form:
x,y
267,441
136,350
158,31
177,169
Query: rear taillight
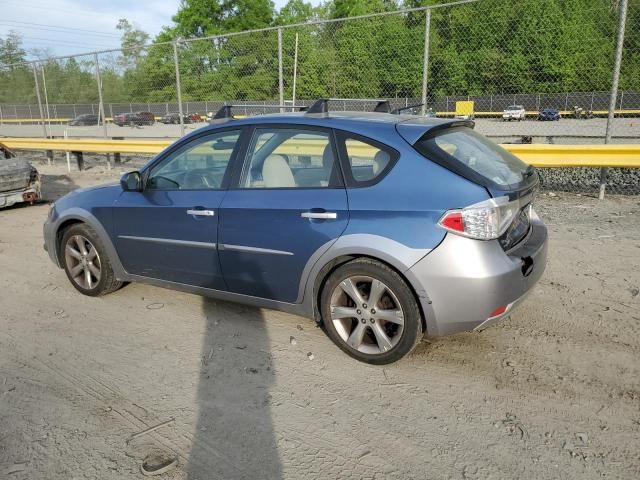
x,y
486,220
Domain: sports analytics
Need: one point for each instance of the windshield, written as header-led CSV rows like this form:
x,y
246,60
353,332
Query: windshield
x,y
472,151
514,107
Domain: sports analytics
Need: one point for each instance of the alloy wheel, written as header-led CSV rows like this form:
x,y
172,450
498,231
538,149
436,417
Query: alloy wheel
x,y
366,314
83,262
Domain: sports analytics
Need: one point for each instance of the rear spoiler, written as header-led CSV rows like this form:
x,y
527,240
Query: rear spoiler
x,y
414,129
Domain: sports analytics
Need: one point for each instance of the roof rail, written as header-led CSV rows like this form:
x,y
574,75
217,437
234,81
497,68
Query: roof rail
x,y
408,107
383,106
225,112
322,105
319,106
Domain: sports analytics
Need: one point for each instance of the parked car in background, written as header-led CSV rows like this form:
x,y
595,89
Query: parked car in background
x,y
514,112
86,119
137,118
148,117
175,118
549,115
380,227
195,117
19,180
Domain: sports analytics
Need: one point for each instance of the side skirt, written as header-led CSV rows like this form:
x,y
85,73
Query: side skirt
x,y
293,308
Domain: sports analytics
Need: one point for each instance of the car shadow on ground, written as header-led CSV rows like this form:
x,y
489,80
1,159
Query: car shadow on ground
x,y
56,186
234,436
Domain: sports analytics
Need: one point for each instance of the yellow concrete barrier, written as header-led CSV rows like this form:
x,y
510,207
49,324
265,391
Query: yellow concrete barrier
x,y
538,155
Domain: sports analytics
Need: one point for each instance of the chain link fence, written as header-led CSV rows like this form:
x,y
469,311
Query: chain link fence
x,y
460,59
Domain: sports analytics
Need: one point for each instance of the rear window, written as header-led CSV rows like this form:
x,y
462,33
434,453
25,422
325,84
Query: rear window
x,y
472,155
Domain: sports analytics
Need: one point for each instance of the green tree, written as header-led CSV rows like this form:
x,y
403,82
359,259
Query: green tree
x,y
133,41
11,51
196,18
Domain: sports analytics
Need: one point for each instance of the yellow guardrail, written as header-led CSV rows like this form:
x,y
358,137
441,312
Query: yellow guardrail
x,y
538,155
467,111
87,145
541,155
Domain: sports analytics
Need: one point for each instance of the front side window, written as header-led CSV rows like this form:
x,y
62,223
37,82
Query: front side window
x,y
466,149
199,165
290,158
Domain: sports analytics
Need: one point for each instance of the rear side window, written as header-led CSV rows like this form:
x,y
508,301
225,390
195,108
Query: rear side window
x,y
291,158
465,151
368,161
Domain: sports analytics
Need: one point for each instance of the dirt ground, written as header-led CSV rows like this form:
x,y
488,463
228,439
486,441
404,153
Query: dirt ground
x,y
553,392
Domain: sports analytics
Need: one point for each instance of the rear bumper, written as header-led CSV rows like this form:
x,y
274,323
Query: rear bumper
x,y
464,281
28,195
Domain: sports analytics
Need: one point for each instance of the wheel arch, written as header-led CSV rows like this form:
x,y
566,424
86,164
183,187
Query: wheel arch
x,y
77,215
338,255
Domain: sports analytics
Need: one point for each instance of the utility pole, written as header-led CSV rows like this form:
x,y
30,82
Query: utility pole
x,y
622,21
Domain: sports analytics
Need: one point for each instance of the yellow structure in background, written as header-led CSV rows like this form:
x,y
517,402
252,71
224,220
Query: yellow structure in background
x,y
464,109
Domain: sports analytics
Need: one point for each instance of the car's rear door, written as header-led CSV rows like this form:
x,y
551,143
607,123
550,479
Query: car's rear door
x,y
288,203
169,230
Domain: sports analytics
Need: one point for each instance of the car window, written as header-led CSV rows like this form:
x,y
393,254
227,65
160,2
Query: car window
x,y
475,152
290,158
199,165
366,161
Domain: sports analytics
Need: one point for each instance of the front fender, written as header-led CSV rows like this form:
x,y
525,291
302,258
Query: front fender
x,y
77,214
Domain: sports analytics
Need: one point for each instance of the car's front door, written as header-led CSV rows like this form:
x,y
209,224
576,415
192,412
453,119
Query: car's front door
x,y
288,202
169,230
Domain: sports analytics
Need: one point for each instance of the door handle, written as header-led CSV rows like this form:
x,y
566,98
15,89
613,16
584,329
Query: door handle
x,y
320,215
201,213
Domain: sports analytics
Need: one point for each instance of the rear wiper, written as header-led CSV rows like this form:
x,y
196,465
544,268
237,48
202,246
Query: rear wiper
x,y
529,171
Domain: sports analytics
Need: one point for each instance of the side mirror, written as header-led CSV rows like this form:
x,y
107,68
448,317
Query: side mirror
x,y
131,182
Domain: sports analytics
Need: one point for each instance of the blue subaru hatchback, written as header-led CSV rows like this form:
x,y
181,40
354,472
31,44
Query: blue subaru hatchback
x,y
380,227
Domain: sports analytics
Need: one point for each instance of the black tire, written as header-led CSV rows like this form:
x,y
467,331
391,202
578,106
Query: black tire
x,y
411,333
107,282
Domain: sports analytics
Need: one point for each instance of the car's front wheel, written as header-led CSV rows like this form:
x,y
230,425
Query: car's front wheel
x,y
370,312
86,262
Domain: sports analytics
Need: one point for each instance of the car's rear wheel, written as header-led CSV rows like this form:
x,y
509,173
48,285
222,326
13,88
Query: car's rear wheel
x,y
86,262
370,312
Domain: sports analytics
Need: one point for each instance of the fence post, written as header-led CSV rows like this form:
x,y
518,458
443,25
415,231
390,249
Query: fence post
x,y
101,112
614,88
280,77
79,160
425,60
178,89
621,97
295,74
35,77
46,102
